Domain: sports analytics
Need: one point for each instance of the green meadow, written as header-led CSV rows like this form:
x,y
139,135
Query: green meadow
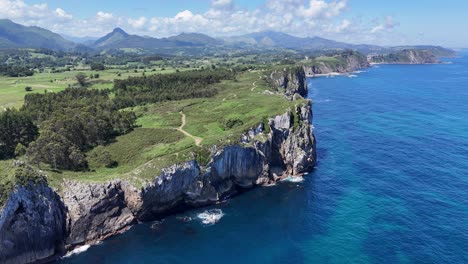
x,y
12,89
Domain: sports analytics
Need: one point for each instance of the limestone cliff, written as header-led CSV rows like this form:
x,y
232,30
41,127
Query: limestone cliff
x,y
37,223
406,56
32,225
345,62
292,80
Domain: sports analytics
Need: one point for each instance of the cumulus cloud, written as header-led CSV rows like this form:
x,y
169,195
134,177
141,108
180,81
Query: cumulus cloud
x,y
222,2
321,9
138,23
388,24
326,18
103,16
344,26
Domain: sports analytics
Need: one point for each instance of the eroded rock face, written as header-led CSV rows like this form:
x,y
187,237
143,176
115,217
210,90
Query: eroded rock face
x,y
293,80
241,165
350,63
95,211
32,225
169,190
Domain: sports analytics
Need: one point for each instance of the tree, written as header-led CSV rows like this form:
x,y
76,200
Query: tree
x,y
28,88
97,67
16,127
54,149
81,79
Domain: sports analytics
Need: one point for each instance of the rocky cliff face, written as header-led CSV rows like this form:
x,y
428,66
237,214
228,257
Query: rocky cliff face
x,y
32,225
408,56
37,224
95,211
293,80
346,63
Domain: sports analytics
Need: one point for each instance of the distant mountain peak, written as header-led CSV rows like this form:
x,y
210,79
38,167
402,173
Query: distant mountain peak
x,y
119,31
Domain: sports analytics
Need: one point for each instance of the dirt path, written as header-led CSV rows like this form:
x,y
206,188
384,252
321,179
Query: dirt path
x,y
254,84
197,140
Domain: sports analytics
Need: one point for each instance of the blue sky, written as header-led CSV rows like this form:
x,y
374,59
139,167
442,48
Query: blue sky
x,y
382,22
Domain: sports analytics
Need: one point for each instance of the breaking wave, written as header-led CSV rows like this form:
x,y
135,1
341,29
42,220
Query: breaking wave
x,y
211,217
77,251
293,179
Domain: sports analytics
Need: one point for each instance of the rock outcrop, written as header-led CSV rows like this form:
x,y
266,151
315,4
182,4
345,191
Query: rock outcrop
x,y
32,225
292,80
95,211
406,56
37,224
345,62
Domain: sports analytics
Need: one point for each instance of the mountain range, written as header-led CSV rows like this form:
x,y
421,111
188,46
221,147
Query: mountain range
x,y
13,35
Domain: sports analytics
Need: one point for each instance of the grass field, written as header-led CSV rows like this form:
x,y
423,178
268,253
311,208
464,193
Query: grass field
x,y
12,90
157,143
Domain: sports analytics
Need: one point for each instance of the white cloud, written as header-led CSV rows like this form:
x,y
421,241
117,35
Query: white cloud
x,y
103,16
61,13
322,9
222,2
388,24
326,18
138,23
344,26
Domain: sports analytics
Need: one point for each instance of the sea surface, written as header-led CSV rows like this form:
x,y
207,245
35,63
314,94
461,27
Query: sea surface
x,y
390,186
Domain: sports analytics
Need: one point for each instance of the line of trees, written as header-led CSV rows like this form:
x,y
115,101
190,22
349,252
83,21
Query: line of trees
x,y
177,86
15,71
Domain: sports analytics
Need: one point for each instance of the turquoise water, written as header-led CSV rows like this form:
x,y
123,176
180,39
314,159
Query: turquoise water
x,y
391,184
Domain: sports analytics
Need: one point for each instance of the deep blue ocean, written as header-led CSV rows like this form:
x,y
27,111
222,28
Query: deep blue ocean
x,y
391,184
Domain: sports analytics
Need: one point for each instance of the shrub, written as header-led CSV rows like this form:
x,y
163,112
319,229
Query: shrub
x,y
28,88
102,158
26,174
202,155
231,123
97,67
20,150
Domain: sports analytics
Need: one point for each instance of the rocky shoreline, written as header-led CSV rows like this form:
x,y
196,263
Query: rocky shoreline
x,y
39,224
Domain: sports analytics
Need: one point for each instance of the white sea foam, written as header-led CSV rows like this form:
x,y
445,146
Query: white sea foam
x,y
322,101
77,251
293,179
211,217
352,76
359,71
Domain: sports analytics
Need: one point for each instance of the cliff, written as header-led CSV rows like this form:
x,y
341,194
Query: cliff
x,y
292,80
32,225
345,62
37,223
407,56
